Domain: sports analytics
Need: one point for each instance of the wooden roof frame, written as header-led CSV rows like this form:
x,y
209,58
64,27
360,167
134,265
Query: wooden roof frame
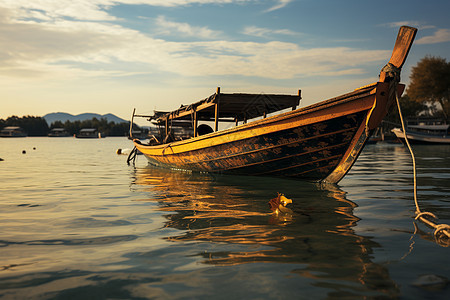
x,y
230,107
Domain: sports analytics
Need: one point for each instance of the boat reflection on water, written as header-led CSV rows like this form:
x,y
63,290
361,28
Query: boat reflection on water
x,y
229,220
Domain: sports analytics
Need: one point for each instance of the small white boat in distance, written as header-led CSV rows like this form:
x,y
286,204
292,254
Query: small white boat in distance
x,y
425,132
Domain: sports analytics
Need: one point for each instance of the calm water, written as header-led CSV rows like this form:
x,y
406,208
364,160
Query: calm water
x,y
77,223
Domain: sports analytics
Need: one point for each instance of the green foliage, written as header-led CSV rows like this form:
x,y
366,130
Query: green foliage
x,y
409,109
430,82
102,125
33,126
37,126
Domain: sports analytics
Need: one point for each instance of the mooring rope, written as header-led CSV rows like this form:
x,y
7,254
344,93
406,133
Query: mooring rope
x,y
438,228
132,156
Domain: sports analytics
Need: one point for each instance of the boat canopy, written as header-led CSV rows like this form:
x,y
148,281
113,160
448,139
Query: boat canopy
x,y
227,108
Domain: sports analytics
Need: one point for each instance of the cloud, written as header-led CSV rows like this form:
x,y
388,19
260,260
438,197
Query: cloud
x,y
276,60
281,4
90,9
266,32
169,27
416,24
54,9
58,49
440,36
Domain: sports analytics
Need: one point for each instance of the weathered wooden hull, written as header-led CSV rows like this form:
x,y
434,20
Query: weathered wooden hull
x,y
319,142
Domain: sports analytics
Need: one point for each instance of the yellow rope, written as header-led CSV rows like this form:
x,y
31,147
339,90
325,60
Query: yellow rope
x,y
438,228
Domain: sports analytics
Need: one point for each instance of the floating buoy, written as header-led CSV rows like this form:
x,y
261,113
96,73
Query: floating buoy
x,y
34,148
278,204
1,159
24,152
123,151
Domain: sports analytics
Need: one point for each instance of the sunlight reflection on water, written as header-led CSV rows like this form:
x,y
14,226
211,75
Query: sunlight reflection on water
x,y
76,220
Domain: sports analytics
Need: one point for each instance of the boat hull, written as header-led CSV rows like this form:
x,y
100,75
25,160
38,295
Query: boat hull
x,y
320,142
418,138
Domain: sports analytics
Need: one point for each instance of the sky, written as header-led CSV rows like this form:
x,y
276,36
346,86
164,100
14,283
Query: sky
x,y
110,56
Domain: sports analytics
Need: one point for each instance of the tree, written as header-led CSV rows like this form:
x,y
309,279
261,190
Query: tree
x,y
410,109
33,126
57,124
430,82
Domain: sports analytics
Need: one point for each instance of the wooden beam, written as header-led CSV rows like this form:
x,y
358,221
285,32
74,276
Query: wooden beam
x,y
167,127
195,123
190,111
402,45
216,110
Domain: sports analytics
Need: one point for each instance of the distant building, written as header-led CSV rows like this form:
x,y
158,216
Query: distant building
x,y
89,133
58,132
12,131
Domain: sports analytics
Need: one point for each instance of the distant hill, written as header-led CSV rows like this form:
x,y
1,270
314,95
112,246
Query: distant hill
x,y
63,117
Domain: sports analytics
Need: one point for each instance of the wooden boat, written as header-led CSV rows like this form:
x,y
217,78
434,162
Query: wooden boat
x,y
425,131
319,142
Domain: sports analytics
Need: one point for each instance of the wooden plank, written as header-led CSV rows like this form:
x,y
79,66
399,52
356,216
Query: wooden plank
x,y
195,123
402,46
216,109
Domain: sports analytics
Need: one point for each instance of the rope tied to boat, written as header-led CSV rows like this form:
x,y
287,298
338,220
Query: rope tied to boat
x,y
392,72
441,231
132,156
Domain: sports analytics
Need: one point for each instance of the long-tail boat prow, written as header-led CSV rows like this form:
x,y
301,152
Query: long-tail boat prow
x,y
319,142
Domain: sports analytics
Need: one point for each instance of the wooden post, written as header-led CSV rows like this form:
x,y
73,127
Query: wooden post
x,y
131,124
216,117
195,122
216,110
299,97
167,127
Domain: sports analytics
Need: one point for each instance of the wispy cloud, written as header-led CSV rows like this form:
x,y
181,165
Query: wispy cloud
x,y
170,27
266,32
54,9
417,24
279,5
63,48
90,9
440,36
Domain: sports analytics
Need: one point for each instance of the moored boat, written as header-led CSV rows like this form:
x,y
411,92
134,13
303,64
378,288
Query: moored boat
x,y
318,142
425,131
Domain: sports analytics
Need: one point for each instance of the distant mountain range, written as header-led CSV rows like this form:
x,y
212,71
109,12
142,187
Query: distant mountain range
x,y
63,117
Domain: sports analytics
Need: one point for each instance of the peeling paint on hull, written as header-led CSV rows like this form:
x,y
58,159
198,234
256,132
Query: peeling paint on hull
x,y
308,152
320,142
